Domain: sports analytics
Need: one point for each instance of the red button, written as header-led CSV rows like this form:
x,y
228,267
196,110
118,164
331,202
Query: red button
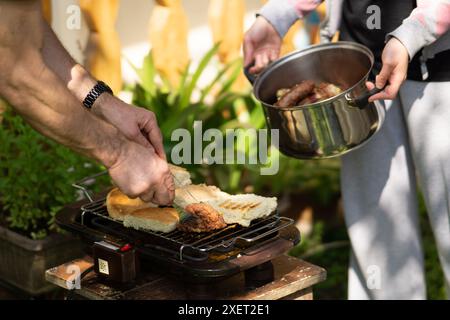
x,y
126,247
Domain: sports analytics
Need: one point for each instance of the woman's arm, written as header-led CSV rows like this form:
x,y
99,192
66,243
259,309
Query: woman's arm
x,y
263,40
429,21
282,14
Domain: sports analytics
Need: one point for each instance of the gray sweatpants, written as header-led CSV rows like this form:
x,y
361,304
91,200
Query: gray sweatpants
x,y
380,198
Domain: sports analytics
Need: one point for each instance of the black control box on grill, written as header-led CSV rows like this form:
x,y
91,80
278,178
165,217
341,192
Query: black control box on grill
x,y
115,262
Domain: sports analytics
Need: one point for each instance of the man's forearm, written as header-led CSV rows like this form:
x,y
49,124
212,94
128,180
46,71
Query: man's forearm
x,y
42,98
38,95
76,78
137,125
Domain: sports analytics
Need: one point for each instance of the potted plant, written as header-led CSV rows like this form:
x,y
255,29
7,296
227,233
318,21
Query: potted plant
x,y
35,182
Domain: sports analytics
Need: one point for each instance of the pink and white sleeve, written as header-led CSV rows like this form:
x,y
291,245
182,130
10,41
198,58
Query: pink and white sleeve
x,y
429,21
282,14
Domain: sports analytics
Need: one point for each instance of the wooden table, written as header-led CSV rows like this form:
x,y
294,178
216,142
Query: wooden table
x,y
294,279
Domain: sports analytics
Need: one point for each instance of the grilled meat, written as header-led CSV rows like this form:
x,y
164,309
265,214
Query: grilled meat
x,y
306,92
282,92
204,219
321,92
295,94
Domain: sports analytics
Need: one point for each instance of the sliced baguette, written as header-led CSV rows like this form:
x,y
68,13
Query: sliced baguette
x,y
194,193
181,176
153,219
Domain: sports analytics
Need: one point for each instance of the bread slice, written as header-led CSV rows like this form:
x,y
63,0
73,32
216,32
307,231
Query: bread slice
x,y
181,176
196,193
119,205
153,219
244,208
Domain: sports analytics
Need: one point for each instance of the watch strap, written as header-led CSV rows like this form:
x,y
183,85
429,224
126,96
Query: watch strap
x,y
95,93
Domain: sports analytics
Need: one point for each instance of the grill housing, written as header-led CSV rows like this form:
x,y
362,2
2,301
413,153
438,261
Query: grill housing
x,y
198,244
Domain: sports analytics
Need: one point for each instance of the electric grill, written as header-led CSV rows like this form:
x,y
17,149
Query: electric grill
x,y
191,257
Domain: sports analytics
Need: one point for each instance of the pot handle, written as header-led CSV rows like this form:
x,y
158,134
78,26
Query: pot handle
x,y
363,101
250,76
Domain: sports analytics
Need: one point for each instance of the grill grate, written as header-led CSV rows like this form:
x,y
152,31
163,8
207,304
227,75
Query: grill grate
x,y
193,246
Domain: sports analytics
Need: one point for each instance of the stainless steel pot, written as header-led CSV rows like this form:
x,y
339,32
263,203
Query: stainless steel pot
x,y
327,128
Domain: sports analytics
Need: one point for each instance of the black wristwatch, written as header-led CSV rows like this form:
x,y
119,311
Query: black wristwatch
x,y
96,92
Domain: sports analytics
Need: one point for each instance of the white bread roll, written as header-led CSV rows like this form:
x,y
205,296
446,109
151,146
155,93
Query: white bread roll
x,y
119,205
153,219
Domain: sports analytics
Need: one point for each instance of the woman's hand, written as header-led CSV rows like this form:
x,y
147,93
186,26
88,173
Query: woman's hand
x,y
395,60
262,45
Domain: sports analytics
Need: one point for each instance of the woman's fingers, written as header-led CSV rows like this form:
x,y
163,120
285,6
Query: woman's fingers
x,y
261,62
273,55
248,51
392,87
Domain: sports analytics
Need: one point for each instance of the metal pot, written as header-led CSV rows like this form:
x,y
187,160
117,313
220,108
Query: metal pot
x,y
327,128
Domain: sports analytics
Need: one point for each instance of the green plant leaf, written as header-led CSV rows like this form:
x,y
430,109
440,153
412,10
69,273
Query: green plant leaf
x,y
146,74
237,65
220,75
186,94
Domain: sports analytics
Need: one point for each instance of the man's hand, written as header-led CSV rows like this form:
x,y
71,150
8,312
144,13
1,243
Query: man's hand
x,y
140,172
262,45
395,60
137,124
